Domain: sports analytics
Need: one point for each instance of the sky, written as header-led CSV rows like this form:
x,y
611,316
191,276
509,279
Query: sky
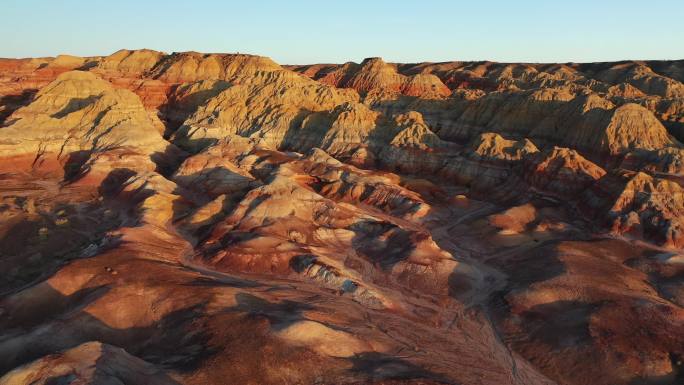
x,y
328,31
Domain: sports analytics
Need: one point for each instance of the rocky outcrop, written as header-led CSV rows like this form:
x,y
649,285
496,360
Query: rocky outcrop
x,y
375,74
192,66
494,147
76,119
643,78
213,172
269,105
89,363
584,122
562,171
640,205
125,62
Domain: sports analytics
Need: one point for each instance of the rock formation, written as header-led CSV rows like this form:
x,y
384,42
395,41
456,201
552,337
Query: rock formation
x,y
194,218
89,363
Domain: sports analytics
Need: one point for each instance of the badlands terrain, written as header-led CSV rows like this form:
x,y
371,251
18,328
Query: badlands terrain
x,y
196,219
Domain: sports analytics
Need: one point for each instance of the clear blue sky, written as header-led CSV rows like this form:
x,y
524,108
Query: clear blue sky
x,y
293,32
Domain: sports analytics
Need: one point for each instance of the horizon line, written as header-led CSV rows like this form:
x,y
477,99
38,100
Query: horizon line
x,y
343,62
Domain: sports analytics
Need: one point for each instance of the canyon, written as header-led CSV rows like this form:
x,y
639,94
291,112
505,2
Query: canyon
x,y
194,218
